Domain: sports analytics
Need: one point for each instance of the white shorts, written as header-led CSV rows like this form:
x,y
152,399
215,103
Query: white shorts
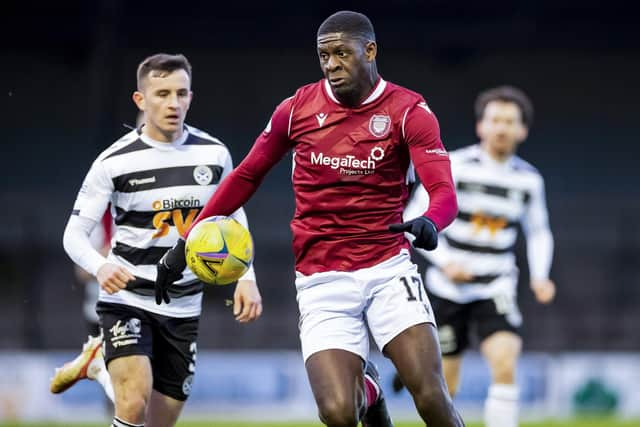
x,y
336,307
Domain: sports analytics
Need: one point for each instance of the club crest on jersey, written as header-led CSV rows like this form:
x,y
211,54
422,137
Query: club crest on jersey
x,y
203,175
379,125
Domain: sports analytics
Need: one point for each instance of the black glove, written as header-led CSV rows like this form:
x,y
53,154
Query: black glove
x,y
170,269
423,228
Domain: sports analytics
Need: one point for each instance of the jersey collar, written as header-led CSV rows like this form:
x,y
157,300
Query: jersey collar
x,y
487,159
377,91
163,145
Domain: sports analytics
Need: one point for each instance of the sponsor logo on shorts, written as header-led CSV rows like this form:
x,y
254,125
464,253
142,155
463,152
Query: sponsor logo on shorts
x,y
186,385
125,333
448,342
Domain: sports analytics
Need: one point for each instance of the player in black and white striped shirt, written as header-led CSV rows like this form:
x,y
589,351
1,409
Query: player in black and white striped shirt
x,y
473,275
156,179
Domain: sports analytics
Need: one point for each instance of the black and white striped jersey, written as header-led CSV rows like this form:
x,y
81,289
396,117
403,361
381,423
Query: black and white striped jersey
x,y
493,198
155,191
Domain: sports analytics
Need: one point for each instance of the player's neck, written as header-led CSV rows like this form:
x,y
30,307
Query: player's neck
x,y
158,135
498,156
357,97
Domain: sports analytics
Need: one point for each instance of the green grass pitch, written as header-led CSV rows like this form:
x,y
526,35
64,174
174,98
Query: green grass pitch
x,y
596,422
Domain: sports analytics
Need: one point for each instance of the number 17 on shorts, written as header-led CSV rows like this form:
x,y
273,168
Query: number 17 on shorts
x,y
416,291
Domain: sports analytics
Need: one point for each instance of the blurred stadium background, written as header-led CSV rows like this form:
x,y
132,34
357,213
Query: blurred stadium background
x,y
68,70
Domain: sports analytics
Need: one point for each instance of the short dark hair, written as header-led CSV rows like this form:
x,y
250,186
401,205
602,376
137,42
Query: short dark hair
x,y
505,94
162,62
353,23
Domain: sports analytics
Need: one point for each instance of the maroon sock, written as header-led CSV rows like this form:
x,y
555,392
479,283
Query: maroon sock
x,y
371,390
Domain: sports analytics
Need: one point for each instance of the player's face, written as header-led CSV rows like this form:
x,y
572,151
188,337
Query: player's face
x,y
501,128
348,64
164,98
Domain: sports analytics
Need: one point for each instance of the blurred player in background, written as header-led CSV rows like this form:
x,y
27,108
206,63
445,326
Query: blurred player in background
x,y
156,178
353,136
473,276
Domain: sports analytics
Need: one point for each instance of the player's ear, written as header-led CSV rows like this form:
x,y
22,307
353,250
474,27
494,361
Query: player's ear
x,y
524,133
371,50
479,129
138,99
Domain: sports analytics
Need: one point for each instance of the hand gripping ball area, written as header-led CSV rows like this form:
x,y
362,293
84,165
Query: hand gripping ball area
x,y
219,250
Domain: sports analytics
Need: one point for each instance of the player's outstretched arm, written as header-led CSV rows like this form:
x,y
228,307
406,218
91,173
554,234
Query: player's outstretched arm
x,y
431,161
232,193
432,165
238,187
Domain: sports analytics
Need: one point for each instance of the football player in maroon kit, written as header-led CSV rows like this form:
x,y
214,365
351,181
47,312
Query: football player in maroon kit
x,y
353,137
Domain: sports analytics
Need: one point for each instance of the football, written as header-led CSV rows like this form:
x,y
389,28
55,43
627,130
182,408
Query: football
x,y
219,250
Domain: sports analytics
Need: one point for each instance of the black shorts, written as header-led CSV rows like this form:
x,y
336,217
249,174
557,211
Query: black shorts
x,y
169,342
456,322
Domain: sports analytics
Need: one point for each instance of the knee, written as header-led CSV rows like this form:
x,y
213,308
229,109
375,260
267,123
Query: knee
x,y
131,400
337,412
502,350
131,408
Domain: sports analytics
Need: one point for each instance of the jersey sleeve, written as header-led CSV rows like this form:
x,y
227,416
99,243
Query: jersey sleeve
x,y
240,216
268,149
431,161
88,210
77,243
535,226
416,206
95,193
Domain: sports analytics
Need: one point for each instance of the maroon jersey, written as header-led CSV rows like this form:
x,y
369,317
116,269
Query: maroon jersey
x,y
349,173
